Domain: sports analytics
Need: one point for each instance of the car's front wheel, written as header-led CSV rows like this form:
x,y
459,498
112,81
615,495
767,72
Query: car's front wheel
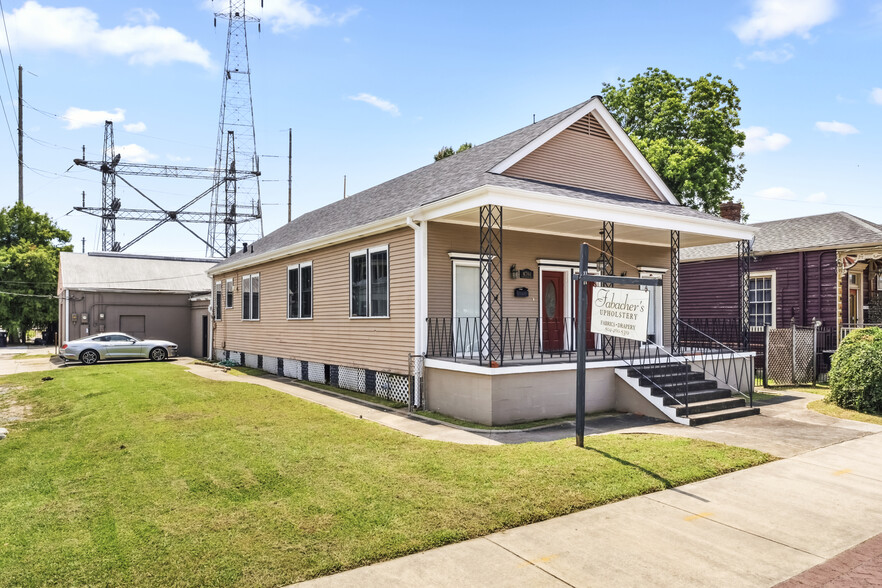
x,y
89,357
158,354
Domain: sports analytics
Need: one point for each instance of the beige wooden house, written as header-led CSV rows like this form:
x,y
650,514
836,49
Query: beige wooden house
x,y
466,265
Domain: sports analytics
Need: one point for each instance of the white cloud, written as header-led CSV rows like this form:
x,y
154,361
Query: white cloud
x,y
286,15
137,127
77,30
145,16
760,139
134,153
780,55
836,127
177,158
78,118
876,95
817,197
777,193
774,19
384,105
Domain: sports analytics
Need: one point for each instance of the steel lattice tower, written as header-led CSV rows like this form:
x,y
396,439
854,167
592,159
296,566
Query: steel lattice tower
x,y
235,202
109,203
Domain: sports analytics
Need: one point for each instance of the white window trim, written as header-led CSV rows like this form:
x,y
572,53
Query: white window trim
x,y
298,267
656,272
859,286
251,297
230,299
766,274
460,262
217,314
367,252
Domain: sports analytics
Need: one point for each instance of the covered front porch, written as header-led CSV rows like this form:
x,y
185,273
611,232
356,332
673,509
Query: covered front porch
x,y
499,331
859,289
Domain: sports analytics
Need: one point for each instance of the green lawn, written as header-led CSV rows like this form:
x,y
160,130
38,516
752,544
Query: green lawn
x,y
830,409
144,474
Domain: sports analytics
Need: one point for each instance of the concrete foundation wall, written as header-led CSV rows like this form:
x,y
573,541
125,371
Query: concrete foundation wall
x,y
515,398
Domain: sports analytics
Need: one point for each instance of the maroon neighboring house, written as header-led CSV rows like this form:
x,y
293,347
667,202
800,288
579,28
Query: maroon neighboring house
x,y
823,268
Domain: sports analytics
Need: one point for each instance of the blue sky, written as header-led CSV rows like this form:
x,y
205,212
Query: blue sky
x,y
373,89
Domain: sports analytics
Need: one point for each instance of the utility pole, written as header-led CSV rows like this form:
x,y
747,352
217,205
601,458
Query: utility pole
x,y
289,174
344,187
20,142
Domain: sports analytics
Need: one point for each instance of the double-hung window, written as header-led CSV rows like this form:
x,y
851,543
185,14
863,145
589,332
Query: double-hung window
x,y
300,291
217,300
762,299
369,282
229,293
251,297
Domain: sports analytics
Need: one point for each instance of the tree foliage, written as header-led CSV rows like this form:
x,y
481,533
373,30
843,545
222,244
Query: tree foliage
x,y
448,151
30,244
856,372
687,130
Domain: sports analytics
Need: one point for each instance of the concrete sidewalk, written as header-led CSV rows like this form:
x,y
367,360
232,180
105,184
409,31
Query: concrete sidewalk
x,y
755,527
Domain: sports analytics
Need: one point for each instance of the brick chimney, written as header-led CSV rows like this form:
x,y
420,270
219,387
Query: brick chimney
x,y
731,211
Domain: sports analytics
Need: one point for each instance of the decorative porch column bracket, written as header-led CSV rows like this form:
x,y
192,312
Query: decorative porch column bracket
x,y
675,292
744,291
607,241
490,281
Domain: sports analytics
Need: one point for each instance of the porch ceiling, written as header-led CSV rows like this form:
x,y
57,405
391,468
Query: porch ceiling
x,y
582,228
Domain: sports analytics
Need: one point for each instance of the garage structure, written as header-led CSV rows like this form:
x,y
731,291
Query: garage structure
x,y
149,297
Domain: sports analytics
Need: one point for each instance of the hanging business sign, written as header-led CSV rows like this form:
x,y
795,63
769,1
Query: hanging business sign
x,y
618,312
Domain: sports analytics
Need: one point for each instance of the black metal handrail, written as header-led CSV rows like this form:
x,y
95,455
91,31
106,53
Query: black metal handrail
x,y
717,360
655,364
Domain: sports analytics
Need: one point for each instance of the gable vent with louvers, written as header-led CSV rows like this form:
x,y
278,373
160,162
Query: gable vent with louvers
x,y
590,126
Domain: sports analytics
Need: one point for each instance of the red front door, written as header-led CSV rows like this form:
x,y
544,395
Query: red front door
x,y
552,311
589,336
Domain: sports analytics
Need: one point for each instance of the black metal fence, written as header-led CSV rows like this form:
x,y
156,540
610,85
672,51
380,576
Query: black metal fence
x,y
460,338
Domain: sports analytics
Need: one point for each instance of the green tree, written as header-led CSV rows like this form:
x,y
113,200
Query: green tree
x,y
687,130
30,244
448,151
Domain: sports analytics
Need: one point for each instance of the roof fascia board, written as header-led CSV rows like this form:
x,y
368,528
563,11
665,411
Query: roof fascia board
x,y
97,289
532,201
619,136
367,230
555,233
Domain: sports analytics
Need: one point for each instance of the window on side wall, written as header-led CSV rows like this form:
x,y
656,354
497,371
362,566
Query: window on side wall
x,y
217,301
369,283
251,297
229,293
300,291
761,301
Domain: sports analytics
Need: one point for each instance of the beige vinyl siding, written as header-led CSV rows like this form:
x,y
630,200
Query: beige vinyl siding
x,y
523,249
330,337
584,157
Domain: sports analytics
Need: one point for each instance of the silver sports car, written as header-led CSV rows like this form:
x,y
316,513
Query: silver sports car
x,y
90,350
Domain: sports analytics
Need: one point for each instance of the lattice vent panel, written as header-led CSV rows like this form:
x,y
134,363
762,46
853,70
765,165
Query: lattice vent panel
x,y
292,368
316,372
392,387
350,378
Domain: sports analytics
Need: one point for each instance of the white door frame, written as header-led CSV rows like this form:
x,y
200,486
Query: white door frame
x,y
569,269
655,272
458,262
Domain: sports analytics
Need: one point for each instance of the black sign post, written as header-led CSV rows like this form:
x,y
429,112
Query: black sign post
x,y
582,328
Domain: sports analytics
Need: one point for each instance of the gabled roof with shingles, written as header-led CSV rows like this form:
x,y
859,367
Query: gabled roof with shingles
x,y
833,230
453,175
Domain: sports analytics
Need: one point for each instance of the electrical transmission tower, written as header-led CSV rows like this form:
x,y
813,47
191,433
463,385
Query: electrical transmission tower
x,y
112,168
236,145
235,210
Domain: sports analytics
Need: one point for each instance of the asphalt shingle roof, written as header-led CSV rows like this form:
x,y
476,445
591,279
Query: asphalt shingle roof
x,y
453,175
833,230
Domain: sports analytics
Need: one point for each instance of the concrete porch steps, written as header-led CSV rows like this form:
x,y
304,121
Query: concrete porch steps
x,y
669,387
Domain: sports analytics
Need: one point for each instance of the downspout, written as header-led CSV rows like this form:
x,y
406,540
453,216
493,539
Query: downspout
x,y
420,287
66,315
211,322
